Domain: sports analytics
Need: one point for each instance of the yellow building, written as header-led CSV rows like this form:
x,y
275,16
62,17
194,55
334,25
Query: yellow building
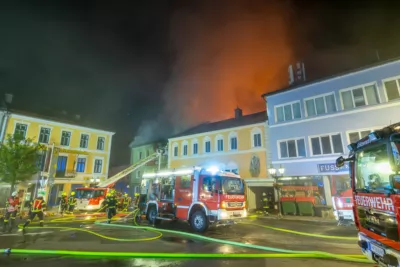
x,y
236,145
73,155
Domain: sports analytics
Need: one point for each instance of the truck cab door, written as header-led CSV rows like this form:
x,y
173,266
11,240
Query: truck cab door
x,y
183,195
208,192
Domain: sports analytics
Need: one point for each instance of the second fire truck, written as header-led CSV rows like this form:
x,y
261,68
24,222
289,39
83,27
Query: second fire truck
x,y
200,196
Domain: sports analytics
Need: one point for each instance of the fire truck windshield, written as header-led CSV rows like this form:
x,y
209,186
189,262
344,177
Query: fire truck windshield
x,y
82,193
373,169
232,186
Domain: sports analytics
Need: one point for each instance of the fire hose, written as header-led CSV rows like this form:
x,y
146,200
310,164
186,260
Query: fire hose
x,y
279,253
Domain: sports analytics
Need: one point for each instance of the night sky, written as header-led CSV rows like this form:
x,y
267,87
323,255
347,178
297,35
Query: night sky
x,y
155,67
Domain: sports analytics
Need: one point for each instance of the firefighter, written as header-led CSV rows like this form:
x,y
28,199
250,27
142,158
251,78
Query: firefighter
x,y
72,202
265,203
63,203
12,206
126,201
38,207
111,206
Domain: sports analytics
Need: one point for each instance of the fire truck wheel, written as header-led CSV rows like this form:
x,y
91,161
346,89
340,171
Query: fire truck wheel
x,y
151,216
199,222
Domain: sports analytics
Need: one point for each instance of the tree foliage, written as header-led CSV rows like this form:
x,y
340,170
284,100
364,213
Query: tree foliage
x,y
18,160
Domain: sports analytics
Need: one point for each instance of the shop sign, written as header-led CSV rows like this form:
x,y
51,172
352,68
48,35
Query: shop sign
x,y
331,167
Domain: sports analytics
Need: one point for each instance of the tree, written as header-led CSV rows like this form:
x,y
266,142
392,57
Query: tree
x,y
18,160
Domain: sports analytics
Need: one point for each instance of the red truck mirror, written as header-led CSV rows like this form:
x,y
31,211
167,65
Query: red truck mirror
x,y
340,162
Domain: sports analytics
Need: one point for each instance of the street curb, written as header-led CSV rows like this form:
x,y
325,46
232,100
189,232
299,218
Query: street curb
x,y
295,219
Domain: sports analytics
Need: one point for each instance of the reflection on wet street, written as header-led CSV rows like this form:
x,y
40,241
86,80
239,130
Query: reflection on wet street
x,y
115,239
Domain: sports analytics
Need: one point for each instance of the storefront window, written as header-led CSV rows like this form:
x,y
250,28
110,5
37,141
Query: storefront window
x,y
307,186
340,183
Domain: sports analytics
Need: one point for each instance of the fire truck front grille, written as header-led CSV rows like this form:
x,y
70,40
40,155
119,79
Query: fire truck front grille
x,y
235,204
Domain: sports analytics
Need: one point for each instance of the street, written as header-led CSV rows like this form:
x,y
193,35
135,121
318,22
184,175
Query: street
x,y
83,234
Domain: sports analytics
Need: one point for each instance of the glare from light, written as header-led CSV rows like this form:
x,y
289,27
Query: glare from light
x,y
213,169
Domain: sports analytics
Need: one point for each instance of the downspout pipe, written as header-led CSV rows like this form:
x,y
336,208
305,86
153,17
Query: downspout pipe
x,y
3,125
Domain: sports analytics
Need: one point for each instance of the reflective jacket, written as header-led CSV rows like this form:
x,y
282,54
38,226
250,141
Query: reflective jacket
x,y
111,202
38,205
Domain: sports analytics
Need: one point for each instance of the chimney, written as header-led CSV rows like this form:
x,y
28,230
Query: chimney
x,y
238,113
291,75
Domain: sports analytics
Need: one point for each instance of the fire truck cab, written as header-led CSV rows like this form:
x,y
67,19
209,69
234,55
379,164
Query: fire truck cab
x,y
202,197
374,171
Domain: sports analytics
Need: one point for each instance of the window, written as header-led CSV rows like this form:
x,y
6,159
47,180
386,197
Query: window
x,y
44,135
41,160
147,153
207,145
61,166
292,148
357,135
288,112
256,135
175,146
98,166
326,144
186,181
81,164
65,138
185,149
257,140
219,143
84,141
100,143
140,155
392,89
233,141
20,130
361,96
195,148
320,105
138,174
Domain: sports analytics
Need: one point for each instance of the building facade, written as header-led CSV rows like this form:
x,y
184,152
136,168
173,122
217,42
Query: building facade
x,y
236,145
141,150
72,155
311,125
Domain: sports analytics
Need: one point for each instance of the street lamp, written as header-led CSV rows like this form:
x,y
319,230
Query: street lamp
x,y
275,174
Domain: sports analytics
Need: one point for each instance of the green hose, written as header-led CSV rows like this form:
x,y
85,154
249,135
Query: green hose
x,y
352,258
280,253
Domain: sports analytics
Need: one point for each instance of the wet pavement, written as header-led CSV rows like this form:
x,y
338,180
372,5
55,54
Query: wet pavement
x,y
115,239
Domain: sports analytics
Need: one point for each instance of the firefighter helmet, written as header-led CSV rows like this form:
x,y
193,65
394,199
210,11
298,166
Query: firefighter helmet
x,y
108,194
14,194
137,194
126,194
63,194
72,193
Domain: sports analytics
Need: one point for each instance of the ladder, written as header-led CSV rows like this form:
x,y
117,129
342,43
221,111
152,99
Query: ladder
x,y
112,180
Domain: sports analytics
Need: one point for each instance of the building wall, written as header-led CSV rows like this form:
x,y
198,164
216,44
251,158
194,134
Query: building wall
x,y
73,151
140,152
229,159
337,124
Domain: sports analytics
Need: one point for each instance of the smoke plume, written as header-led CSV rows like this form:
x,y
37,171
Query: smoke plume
x,y
227,56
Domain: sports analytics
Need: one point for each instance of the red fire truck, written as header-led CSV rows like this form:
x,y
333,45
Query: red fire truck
x,y
200,196
92,198
343,207
374,171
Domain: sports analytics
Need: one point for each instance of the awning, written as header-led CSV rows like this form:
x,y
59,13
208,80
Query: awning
x,y
259,182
